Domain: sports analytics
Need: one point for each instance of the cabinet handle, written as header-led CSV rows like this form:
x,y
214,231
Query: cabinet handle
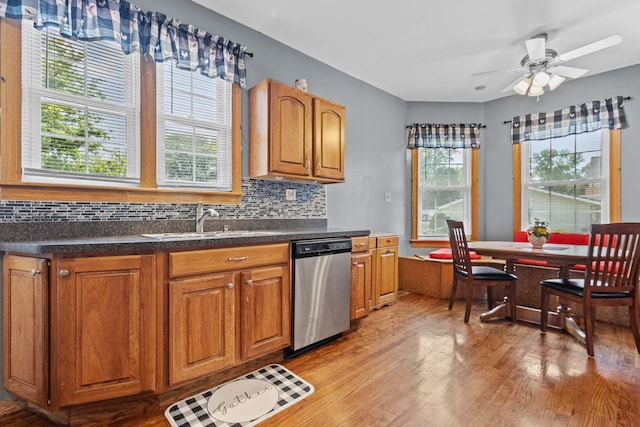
x,y
230,285
307,164
64,273
318,166
249,282
356,263
360,244
35,272
242,258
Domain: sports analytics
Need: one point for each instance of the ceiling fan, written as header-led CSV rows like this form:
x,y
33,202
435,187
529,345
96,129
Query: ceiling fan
x,y
542,66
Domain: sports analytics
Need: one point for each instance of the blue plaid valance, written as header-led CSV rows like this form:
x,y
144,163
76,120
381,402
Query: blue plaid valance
x,y
431,135
607,113
149,33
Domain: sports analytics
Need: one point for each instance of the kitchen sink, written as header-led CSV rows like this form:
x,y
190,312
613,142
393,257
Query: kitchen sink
x,y
209,234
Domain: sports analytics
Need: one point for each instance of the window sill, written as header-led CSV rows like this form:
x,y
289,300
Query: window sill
x,y
23,191
421,243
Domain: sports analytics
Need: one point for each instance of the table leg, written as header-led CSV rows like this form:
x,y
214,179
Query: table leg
x,y
497,311
565,316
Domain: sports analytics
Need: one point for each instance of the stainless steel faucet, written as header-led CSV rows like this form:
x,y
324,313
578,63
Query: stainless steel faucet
x,y
201,215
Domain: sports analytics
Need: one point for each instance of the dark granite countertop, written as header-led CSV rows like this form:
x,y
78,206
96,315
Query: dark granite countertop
x,y
137,242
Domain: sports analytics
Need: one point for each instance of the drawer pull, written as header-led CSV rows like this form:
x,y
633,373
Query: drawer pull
x,y
35,272
64,273
360,244
242,258
249,282
230,285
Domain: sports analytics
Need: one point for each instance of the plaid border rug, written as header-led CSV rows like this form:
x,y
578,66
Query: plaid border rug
x,y
195,411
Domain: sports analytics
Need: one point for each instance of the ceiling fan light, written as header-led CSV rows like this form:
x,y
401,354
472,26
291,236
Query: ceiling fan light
x,y
555,81
522,86
535,90
541,78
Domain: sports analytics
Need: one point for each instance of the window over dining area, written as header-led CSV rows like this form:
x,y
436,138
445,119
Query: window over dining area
x,y
567,166
444,181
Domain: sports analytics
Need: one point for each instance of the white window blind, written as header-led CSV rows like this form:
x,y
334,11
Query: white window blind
x,y
565,181
444,190
194,130
80,110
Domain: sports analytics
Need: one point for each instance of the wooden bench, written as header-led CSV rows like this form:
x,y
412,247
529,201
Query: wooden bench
x,y
433,277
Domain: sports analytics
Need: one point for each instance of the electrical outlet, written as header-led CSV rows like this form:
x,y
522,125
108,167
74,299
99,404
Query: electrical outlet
x,y
290,194
387,196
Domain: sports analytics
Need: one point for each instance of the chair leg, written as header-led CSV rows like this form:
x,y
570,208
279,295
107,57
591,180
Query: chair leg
x,y
635,326
467,309
453,292
588,326
544,308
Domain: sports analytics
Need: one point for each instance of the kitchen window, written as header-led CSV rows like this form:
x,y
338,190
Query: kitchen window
x,y
80,111
194,129
88,129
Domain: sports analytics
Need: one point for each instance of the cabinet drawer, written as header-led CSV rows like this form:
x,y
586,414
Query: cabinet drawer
x,y
191,263
360,244
383,241
380,240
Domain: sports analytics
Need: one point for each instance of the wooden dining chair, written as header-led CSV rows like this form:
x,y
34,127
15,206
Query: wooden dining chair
x,y
476,275
611,277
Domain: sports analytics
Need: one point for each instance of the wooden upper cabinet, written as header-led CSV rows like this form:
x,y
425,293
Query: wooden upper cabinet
x,y
295,135
329,140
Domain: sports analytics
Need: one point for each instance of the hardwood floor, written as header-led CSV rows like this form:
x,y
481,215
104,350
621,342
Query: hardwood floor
x,y
415,363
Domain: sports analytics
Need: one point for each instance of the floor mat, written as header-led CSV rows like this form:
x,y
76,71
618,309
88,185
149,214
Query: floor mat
x,y
242,402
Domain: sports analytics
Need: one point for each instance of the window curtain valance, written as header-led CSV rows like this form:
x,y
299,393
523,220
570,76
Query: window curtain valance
x,y
570,120
431,135
149,33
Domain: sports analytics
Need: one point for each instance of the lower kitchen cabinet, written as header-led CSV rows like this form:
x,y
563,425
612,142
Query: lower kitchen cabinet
x,y
103,334
241,297
266,310
384,253
85,334
85,329
360,277
26,333
202,328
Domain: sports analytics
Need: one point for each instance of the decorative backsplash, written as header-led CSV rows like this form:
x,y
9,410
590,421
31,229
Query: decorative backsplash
x,y
261,200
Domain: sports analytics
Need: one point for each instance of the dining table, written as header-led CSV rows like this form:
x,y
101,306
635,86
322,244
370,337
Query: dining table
x,y
560,256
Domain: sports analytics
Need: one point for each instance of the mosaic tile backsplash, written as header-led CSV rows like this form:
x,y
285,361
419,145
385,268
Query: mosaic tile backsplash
x,y
261,200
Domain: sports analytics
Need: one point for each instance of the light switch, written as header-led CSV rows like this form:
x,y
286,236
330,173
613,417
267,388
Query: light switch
x,y
387,196
290,194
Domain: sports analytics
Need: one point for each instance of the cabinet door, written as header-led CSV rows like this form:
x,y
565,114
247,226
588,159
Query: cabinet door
x,y
291,124
201,326
104,341
387,274
360,285
26,338
329,140
266,312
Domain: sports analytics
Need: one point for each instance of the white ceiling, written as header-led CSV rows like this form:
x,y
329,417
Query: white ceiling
x,y
427,50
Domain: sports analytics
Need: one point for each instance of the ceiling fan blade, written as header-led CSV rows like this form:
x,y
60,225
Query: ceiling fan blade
x,y
536,48
591,47
570,72
508,70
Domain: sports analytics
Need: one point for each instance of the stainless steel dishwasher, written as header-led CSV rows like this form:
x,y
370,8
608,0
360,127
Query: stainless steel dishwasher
x,y
321,292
